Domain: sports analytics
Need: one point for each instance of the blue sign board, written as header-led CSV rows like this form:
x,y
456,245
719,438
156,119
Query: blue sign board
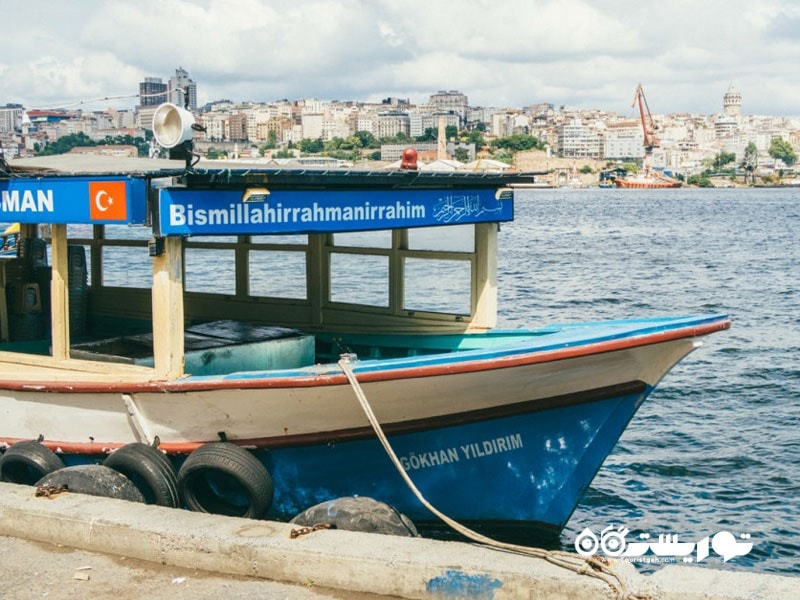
x,y
224,212
91,200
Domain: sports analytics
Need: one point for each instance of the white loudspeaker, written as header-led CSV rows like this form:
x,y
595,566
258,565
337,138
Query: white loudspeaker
x,y
172,125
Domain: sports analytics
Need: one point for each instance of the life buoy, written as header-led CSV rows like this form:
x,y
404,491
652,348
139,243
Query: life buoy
x,y
94,480
222,478
149,470
27,462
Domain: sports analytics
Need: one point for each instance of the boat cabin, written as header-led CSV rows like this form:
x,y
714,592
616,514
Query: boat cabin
x,y
147,269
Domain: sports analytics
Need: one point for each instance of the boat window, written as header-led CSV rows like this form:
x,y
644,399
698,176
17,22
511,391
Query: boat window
x,y
364,239
128,233
79,232
127,266
209,270
279,239
438,285
359,279
218,239
277,274
455,238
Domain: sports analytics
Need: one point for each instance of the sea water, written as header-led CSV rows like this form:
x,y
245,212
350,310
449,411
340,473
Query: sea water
x,y
716,448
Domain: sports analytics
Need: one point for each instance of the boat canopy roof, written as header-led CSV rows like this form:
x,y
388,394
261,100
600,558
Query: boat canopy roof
x,y
220,173
214,198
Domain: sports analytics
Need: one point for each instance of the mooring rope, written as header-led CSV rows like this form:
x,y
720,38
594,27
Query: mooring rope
x,y
591,566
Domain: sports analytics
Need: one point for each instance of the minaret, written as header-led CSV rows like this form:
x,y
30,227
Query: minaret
x,y
732,102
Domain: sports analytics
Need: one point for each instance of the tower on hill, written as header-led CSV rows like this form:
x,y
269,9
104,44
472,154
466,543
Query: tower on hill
x,y
732,102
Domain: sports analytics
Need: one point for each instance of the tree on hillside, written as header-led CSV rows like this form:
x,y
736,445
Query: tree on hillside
x,y
517,142
66,143
750,162
781,149
461,155
430,135
368,140
272,140
700,180
308,146
722,159
74,140
475,137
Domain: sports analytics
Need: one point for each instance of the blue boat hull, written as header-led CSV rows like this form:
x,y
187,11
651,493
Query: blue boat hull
x,y
539,465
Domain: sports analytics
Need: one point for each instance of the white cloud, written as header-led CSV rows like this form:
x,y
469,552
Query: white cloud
x,y
512,53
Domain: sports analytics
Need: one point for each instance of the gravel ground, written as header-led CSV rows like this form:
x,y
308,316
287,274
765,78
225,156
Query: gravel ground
x,y
32,570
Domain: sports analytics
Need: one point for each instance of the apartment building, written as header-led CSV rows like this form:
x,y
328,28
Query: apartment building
x,y
11,118
623,140
450,101
392,122
576,140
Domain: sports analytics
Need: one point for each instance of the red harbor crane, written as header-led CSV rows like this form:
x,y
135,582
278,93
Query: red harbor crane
x,y
648,125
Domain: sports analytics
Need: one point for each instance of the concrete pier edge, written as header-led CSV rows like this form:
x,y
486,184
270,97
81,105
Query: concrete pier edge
x,y
343,560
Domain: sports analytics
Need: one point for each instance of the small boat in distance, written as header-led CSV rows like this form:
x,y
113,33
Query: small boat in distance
x,y
647,180
230,316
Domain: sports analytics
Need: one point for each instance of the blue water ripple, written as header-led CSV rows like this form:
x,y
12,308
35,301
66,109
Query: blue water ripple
x,y
716,446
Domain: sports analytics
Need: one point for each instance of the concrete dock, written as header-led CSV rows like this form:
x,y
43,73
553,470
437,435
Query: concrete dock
x,y
351,563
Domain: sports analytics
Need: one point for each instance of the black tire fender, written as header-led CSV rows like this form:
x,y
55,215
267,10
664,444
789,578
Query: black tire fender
x,y
94,480
149,470
222,478
27,462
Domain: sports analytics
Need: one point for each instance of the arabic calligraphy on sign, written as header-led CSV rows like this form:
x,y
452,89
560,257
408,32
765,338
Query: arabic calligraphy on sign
x,y
612,542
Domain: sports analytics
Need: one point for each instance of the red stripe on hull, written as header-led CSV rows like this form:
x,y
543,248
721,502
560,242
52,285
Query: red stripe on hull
x,y
345,435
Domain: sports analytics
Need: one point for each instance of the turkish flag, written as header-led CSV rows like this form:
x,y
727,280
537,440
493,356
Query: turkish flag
x,y
108,201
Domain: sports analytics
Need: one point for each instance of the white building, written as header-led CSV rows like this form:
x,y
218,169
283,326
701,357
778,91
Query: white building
x,y
365,123
576,140
181,85
392,122
450,101
312,125
11,118
216,125
623,140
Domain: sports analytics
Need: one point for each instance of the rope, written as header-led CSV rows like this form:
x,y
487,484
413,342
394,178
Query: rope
x,y
591,566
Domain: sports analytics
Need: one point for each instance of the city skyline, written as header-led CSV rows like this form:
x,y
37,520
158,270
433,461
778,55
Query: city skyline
x,y
512,54
146,98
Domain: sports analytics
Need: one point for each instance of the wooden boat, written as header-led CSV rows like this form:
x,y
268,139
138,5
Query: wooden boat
x,y
166,321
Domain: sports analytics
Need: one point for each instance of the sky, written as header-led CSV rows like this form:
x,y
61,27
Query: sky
x,y
501,54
